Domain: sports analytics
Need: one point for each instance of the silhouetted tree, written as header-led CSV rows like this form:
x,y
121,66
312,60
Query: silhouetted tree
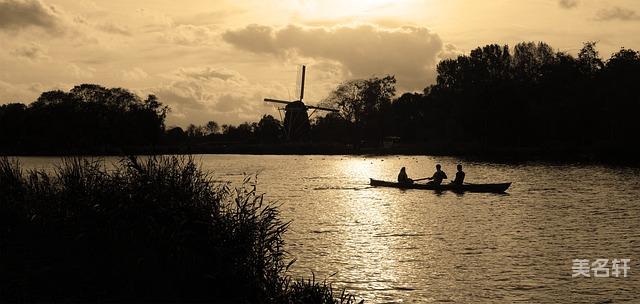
x,y
176,135
243,131
195,131
268,129
589,59
332,128
12,121
88,117
408,118
212,127
363,103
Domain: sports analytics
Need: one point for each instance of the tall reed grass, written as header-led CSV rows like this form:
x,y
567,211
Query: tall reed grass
x,y
153,229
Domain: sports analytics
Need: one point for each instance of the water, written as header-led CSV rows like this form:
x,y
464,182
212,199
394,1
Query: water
x,y
390,246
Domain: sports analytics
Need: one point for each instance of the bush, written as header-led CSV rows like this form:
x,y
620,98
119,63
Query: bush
x,y
157,229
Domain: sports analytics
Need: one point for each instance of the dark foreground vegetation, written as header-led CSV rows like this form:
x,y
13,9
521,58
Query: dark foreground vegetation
x,y
498,101
145,230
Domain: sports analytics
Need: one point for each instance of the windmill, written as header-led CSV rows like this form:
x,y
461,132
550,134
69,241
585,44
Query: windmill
x,y
296,114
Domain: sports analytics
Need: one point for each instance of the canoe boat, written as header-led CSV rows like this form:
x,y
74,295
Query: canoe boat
x,y
488,188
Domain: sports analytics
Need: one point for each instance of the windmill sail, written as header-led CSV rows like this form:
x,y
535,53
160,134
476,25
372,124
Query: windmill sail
x,y
300,78
296,119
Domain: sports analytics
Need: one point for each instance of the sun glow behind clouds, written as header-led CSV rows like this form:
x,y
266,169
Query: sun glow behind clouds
x,y
336,9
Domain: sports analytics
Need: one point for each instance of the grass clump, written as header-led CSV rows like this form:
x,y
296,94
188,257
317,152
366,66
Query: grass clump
x,y
158,229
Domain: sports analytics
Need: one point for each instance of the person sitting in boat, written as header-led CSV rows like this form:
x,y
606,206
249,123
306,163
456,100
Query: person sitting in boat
x,y
459,180
438,176
403,178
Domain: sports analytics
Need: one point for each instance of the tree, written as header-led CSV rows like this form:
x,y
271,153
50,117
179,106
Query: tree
x,y
408,116
268,129
530,58
348,99
363,102
625,62
153,103
245,130
332,128
175,135
51,98
195,131
212,127
448,77
589,59
89,117
12,120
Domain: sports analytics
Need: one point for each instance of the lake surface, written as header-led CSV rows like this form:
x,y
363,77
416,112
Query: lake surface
x,y
392,246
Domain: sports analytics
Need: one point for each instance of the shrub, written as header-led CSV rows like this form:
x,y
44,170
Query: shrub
x,y
158,229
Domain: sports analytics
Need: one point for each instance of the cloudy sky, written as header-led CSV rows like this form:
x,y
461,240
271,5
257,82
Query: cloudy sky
x,y
217,59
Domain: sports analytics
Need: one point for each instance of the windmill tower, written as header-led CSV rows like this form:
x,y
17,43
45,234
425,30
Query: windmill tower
x,y
296,114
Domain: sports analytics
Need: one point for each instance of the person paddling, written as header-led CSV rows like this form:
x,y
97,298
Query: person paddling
x,y
459,180
403,178
438,176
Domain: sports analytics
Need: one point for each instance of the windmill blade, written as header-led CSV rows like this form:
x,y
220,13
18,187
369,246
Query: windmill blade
x,y
277,101
323,109
304,68
312,112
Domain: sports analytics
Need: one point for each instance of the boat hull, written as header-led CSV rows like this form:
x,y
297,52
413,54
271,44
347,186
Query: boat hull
x,y
486,188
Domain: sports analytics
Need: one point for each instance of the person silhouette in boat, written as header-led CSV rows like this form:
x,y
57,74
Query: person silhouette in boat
x,y
403,178
459,180
437,177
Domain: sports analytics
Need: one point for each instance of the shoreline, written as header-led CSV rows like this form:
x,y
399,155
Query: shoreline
x,y
553,154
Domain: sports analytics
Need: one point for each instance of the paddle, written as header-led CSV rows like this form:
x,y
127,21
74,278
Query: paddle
x,y
419,179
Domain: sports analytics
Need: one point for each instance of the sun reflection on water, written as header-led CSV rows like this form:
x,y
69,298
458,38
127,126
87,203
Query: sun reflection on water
x,y
374,236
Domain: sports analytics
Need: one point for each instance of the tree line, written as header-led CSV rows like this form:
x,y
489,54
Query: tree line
x,y
528,96
88,116
496,96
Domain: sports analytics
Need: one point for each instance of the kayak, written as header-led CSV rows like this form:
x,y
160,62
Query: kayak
x,y
488,188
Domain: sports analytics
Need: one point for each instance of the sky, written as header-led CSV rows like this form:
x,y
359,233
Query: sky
x,y
218,59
